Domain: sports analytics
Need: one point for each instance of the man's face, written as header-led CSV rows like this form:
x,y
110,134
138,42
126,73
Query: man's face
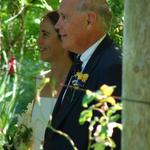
x,y
72,26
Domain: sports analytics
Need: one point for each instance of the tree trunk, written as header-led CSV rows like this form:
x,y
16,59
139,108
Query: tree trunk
x,y
136,76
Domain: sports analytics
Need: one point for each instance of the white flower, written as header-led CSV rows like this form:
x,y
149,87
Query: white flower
x,y
91,128
111,126
98,130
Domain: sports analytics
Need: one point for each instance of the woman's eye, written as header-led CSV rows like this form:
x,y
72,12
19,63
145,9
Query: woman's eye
x,y
45,34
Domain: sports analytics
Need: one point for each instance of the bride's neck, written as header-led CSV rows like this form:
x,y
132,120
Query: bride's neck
x,y
60,68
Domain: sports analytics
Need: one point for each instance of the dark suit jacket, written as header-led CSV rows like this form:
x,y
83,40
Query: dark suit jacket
x,y
104,67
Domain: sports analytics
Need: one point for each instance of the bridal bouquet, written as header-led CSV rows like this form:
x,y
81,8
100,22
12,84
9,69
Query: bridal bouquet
x,y
21,132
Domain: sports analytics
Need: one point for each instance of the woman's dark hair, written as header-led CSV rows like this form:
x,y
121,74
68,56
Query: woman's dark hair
x,y
53,16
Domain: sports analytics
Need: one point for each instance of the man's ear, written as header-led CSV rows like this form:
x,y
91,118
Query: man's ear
x,y
91,18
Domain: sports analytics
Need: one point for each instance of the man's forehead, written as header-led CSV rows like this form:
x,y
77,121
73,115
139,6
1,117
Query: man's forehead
x,y
69,3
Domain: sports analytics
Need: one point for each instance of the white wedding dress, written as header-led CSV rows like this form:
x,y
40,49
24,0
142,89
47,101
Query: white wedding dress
x,y
40,116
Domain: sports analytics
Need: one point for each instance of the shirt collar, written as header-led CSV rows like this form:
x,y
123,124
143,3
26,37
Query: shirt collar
x,y
88,53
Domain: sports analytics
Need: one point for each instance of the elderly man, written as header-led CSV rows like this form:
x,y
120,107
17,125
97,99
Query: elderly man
x,y
83,27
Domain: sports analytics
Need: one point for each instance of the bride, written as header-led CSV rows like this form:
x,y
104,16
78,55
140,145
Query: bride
x,y
61,61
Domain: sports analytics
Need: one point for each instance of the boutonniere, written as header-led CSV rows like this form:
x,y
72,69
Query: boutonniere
x,y
80,79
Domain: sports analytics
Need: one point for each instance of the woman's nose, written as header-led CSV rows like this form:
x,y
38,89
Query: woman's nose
x,y
39,41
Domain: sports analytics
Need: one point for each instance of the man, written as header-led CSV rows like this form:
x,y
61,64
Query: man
x,y
83,27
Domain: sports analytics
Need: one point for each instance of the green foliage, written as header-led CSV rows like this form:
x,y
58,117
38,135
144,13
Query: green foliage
x,y
54,4
20,27
101,127
85,115
116,31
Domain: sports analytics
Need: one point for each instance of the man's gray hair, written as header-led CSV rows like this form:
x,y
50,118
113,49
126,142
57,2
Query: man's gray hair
x,y
101,7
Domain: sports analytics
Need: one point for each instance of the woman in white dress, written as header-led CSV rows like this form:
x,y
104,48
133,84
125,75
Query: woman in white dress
x,y
60,60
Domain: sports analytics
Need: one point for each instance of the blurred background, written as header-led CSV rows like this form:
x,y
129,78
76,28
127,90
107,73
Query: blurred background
x,y
20,61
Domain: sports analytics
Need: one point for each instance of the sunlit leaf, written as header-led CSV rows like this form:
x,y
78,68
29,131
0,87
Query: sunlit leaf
x,y
85,115
98,146
111,100
107,90
88,98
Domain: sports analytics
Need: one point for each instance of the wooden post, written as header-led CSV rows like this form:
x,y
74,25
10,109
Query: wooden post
x,y
136,76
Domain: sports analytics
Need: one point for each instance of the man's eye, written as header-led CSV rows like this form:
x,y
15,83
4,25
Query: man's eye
x,y
64,17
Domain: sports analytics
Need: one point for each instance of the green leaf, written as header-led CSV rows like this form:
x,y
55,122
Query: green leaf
x,y
98,146
114,118
54,4
107,90
88,98
85,115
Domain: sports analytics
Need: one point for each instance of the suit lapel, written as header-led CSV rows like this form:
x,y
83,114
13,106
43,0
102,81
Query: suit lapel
x,y
59,100
64,112
92,63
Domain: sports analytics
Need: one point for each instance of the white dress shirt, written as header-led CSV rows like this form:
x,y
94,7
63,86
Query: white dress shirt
x,y
88,53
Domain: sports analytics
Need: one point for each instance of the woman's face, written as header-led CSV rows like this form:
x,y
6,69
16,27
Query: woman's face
x,y
48,41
